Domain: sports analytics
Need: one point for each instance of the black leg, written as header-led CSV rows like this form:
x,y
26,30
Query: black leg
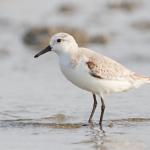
x,y
102,113
94,107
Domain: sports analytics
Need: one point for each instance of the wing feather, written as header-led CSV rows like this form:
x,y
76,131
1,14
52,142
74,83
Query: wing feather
x,y
102,67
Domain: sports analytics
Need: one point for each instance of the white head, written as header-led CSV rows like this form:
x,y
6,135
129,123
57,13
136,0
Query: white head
x,y
60,43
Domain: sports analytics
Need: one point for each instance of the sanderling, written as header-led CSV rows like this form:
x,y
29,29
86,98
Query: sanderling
x,y
92,71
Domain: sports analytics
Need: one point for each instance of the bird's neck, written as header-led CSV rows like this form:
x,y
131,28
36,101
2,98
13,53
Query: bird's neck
x,y
69,57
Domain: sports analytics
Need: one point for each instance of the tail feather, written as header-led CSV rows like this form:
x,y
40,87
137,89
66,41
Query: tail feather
x,y
143,78
139,80
148,80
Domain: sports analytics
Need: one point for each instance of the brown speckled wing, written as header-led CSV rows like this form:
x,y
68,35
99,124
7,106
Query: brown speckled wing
x,y
93,72
105,68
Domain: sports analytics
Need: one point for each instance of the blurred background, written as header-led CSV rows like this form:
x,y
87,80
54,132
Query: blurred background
x,y
38,106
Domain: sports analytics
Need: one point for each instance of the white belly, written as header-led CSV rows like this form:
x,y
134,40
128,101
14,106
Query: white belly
x,y
81,78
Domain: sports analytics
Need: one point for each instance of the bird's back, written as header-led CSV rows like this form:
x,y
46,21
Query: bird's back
x,y
103,66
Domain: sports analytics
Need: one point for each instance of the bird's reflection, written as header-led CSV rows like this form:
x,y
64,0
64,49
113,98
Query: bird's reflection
x,y
95,137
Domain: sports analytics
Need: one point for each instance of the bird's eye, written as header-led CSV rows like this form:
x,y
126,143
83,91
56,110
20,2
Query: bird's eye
x,y
58,40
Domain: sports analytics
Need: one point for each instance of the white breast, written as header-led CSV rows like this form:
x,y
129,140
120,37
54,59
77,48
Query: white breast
x,y
77,75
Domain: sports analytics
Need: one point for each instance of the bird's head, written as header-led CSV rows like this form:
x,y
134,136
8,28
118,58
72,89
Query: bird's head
x,y
60,43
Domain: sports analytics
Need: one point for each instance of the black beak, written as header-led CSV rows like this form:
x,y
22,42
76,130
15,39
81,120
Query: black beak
x,y
47,49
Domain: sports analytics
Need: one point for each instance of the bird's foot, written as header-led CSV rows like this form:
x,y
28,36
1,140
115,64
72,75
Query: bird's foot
x,y
101,127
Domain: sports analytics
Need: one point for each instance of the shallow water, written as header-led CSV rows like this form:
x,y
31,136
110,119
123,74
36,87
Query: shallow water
x,y
40,109
35,134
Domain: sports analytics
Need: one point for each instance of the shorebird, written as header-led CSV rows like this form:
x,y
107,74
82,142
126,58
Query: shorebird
x,y
92,71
